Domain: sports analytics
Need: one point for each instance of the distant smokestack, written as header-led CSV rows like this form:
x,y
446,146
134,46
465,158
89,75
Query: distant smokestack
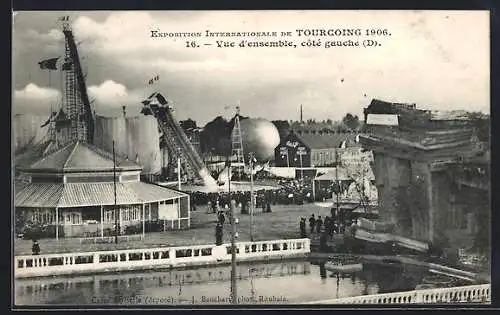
x,y
301,114
124,108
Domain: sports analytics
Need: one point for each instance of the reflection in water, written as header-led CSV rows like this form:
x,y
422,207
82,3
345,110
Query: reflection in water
x,y
322,270
284,282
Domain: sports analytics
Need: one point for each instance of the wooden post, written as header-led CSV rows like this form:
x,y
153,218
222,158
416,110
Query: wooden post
x,y
149,212
57,223
314,189
179,213
119,219
102,221
143,220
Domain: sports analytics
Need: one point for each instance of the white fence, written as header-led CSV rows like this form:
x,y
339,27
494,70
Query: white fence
x,y
145,258
466,294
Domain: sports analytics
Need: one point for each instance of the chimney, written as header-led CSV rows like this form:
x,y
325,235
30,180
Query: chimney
x,y
124,111
301,114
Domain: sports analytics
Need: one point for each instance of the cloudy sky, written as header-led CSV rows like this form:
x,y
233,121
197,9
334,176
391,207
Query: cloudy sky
x,y
437,59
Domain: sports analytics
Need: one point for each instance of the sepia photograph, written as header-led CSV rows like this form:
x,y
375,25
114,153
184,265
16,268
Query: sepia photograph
x,y
205,158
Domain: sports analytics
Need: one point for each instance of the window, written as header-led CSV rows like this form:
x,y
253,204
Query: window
x,y
43,216
109,216
132,213
72,218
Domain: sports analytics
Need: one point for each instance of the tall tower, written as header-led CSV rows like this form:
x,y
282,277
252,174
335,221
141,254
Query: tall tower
x,y
76,103
237,144
301,114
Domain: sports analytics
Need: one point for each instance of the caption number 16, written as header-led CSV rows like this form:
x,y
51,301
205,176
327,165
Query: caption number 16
x,y
192,44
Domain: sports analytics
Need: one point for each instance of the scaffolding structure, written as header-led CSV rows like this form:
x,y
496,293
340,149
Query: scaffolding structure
x,y
237,146
76,103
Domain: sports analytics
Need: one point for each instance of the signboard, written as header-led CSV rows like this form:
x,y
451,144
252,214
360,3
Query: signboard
x,y
292,144
382,119
168,211
301,151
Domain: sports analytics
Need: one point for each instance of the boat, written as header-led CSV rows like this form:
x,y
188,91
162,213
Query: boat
x,y
344,264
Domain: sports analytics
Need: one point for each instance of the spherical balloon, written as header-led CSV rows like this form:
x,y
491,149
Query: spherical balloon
x,y
260,137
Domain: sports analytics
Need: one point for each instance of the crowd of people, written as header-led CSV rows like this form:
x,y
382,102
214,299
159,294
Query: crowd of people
x,y
337,223
289,192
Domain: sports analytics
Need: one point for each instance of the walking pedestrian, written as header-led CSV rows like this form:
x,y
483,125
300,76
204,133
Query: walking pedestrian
x,y
303,233
218,234
35,248
319,225
312,222
221,217
326,225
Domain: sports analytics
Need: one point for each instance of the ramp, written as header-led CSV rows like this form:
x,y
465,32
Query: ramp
x,y
380,237
176,140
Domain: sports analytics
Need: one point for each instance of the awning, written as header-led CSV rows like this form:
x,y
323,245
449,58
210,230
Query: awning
x,y
39,195
80,195
91,194
151,193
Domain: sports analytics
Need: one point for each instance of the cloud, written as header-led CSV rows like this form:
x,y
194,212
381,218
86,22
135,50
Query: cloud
x,y
52,35
110,96
35,99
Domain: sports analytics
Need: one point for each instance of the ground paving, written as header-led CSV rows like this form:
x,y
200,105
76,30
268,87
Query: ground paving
x,y
281,223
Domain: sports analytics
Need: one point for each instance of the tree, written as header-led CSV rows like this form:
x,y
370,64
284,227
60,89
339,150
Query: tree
x,y
283,127
351,121
188,124
215,136
481,123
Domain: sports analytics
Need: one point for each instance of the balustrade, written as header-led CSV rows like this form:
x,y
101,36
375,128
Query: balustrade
x,y
53,264
465,294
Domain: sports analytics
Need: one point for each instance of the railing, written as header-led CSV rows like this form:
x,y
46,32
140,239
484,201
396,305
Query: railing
x,y
466,294
110,239
102,261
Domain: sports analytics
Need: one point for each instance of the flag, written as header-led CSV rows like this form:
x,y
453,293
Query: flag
x,y
50,64
343,145
48,120
357,138
154,79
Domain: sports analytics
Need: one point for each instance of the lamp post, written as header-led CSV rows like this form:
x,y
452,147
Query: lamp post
x,y
252,197
300,152
233,254
301,169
